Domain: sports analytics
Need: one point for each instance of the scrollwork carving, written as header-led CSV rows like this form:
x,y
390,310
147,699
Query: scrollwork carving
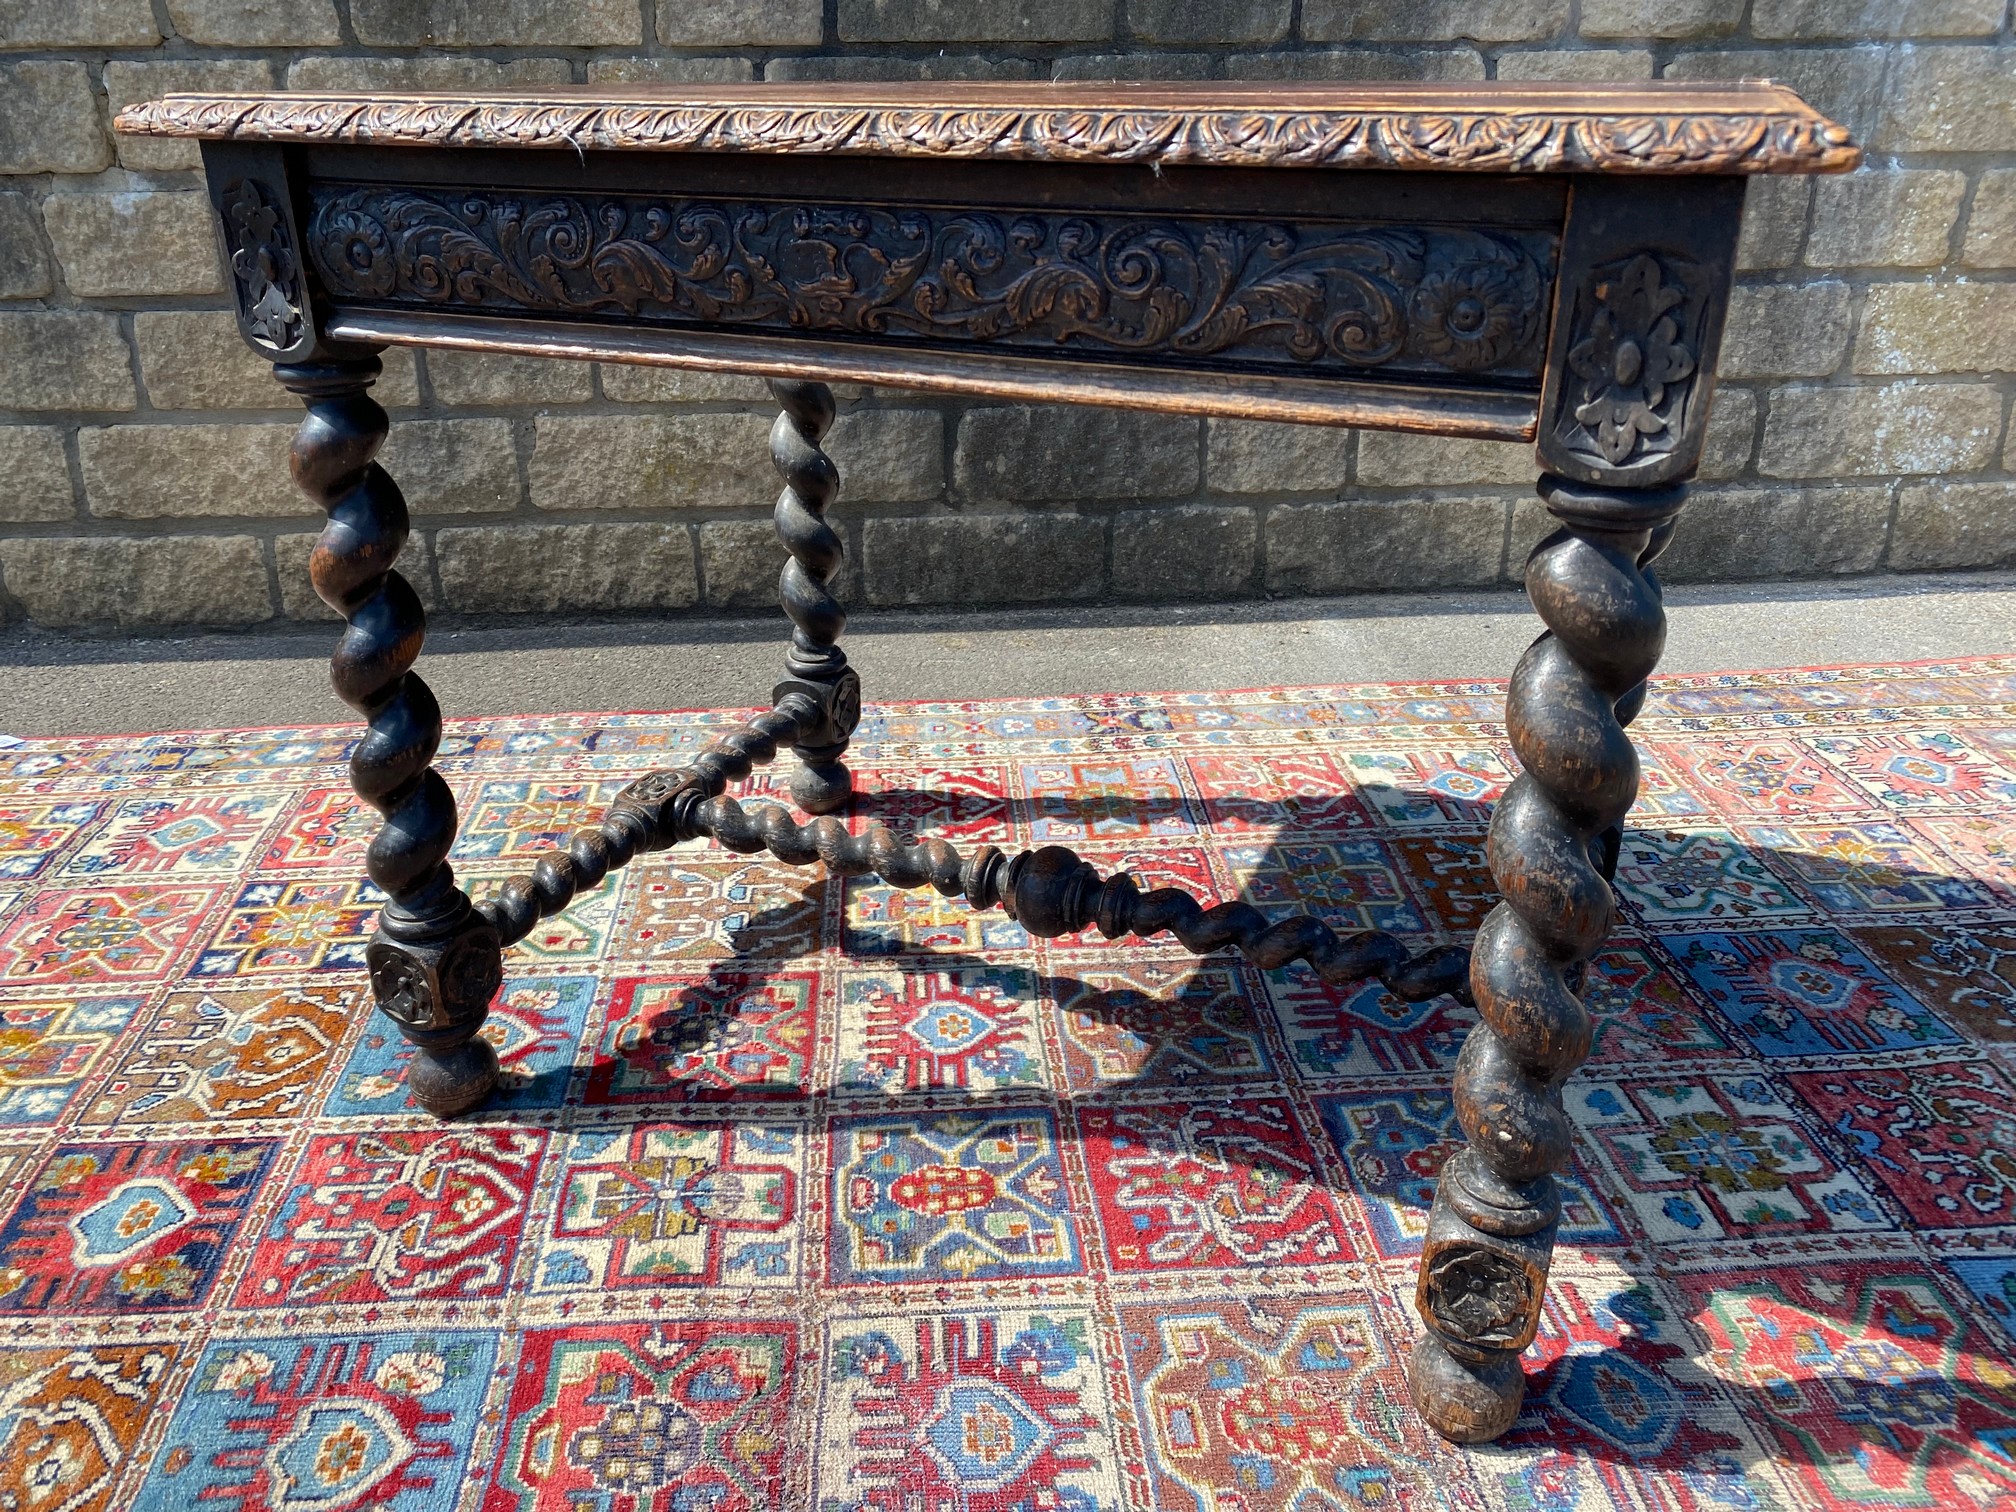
x,y
1305,295
263,265
1773,134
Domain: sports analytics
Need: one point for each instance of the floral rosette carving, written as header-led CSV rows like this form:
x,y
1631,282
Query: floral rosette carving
x,y
359,243
1476,315
1481,1296
1631,358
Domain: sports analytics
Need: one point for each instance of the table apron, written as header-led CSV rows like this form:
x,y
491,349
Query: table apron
x,y
1386,406
1579,312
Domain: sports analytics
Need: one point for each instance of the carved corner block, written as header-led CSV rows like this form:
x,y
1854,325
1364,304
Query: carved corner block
x,y
839,702
262,249
1637,329
438,990
1481,1293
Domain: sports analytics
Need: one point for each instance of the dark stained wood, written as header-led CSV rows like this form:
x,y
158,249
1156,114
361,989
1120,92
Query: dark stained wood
x,y
1539,262
1471,199
653,813
435,963
1306,294
1484,1260
259,234
1355,278
1050,891
817,666
1637,328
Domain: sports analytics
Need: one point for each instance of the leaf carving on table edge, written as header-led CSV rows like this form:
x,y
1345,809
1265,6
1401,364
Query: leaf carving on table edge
x,y
1733,142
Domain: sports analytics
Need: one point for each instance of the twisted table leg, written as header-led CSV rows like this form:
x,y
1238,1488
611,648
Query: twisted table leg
x,y
821,783
1552,848
1611,842
435,963
645,817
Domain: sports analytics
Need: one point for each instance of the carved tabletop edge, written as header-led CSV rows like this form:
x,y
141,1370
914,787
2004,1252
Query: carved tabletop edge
x,y
1657,128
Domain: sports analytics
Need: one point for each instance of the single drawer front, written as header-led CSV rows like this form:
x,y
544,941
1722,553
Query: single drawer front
x,y
1322,298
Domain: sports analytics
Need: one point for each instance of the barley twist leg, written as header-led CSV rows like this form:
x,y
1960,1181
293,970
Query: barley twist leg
x,y
1552,846
820,784
435,963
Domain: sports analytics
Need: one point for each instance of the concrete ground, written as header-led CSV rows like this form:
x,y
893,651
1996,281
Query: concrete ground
x,y
57,685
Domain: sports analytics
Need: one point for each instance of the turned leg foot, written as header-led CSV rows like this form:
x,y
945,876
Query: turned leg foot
x,y
1552,848
821,783
1466,1401
435,963
455,1080
434,970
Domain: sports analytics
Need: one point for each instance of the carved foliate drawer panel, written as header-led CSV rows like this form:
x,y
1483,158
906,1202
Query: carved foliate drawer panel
x,y
1305,295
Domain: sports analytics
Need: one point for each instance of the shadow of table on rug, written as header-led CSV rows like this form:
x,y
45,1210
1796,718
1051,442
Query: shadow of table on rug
x,y
1223,1118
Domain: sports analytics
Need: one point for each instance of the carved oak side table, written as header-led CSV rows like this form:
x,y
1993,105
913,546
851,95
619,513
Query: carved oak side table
x,y
1531,262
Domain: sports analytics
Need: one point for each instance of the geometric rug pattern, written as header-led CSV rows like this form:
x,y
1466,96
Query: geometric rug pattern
x,y
805,1192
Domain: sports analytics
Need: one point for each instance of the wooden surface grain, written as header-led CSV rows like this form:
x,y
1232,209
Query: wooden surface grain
x,y
1655,127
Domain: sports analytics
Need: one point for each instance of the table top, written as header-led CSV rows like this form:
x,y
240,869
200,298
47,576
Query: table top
x,y
1661,127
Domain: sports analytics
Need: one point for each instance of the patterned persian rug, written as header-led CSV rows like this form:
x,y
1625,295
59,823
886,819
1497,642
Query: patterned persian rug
x,y
812,1194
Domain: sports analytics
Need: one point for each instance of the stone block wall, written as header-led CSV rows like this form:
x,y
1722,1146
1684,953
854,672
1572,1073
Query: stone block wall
x,y
1863,423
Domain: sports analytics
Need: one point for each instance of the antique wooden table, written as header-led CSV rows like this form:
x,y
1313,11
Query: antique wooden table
x,y
1531,262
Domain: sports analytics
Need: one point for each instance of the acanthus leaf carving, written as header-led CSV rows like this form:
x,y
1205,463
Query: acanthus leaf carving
x,y
1769,138
1301,295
